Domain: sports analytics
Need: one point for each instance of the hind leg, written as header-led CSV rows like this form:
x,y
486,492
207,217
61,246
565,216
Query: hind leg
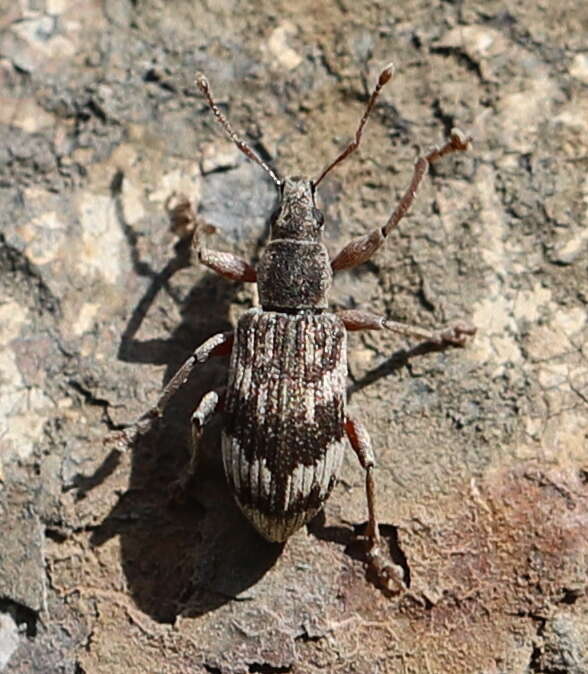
x,y
210,404
388,575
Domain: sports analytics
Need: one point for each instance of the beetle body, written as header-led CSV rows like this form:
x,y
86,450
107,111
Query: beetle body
x,y
284,416
285,399
284,403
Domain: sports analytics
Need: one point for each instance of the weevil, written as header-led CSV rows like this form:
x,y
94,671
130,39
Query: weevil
x,y
284,406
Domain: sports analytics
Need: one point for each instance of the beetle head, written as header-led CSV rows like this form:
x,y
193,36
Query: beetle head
x,y
297,216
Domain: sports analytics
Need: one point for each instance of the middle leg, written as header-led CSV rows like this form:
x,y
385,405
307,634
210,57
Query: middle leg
x,y
454,335
217,345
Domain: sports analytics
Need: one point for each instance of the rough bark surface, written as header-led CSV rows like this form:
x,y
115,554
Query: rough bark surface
x,y
482,452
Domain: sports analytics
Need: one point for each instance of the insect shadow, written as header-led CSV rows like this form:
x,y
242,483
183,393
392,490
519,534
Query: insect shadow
x,y
188,557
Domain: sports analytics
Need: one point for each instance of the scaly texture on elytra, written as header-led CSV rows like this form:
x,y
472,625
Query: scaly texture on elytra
x,y
284,416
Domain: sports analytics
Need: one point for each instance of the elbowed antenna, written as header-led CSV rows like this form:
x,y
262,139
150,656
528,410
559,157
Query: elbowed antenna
x,y
385,76
204,86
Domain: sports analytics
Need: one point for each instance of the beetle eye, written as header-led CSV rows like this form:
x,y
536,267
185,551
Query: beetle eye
x,y
319,217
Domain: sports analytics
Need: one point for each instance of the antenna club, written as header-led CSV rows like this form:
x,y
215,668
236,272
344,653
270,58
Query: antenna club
x,y
202,82
386,74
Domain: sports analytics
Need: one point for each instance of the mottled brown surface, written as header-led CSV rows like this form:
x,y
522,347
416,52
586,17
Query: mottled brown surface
x,y
482,452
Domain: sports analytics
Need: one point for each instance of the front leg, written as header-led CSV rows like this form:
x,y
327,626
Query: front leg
x,y
361,249
186,223
455,335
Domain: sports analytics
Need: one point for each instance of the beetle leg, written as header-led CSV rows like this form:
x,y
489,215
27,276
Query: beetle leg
x,y
454,335
361,249
387,573
186,223
218,345
211,403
